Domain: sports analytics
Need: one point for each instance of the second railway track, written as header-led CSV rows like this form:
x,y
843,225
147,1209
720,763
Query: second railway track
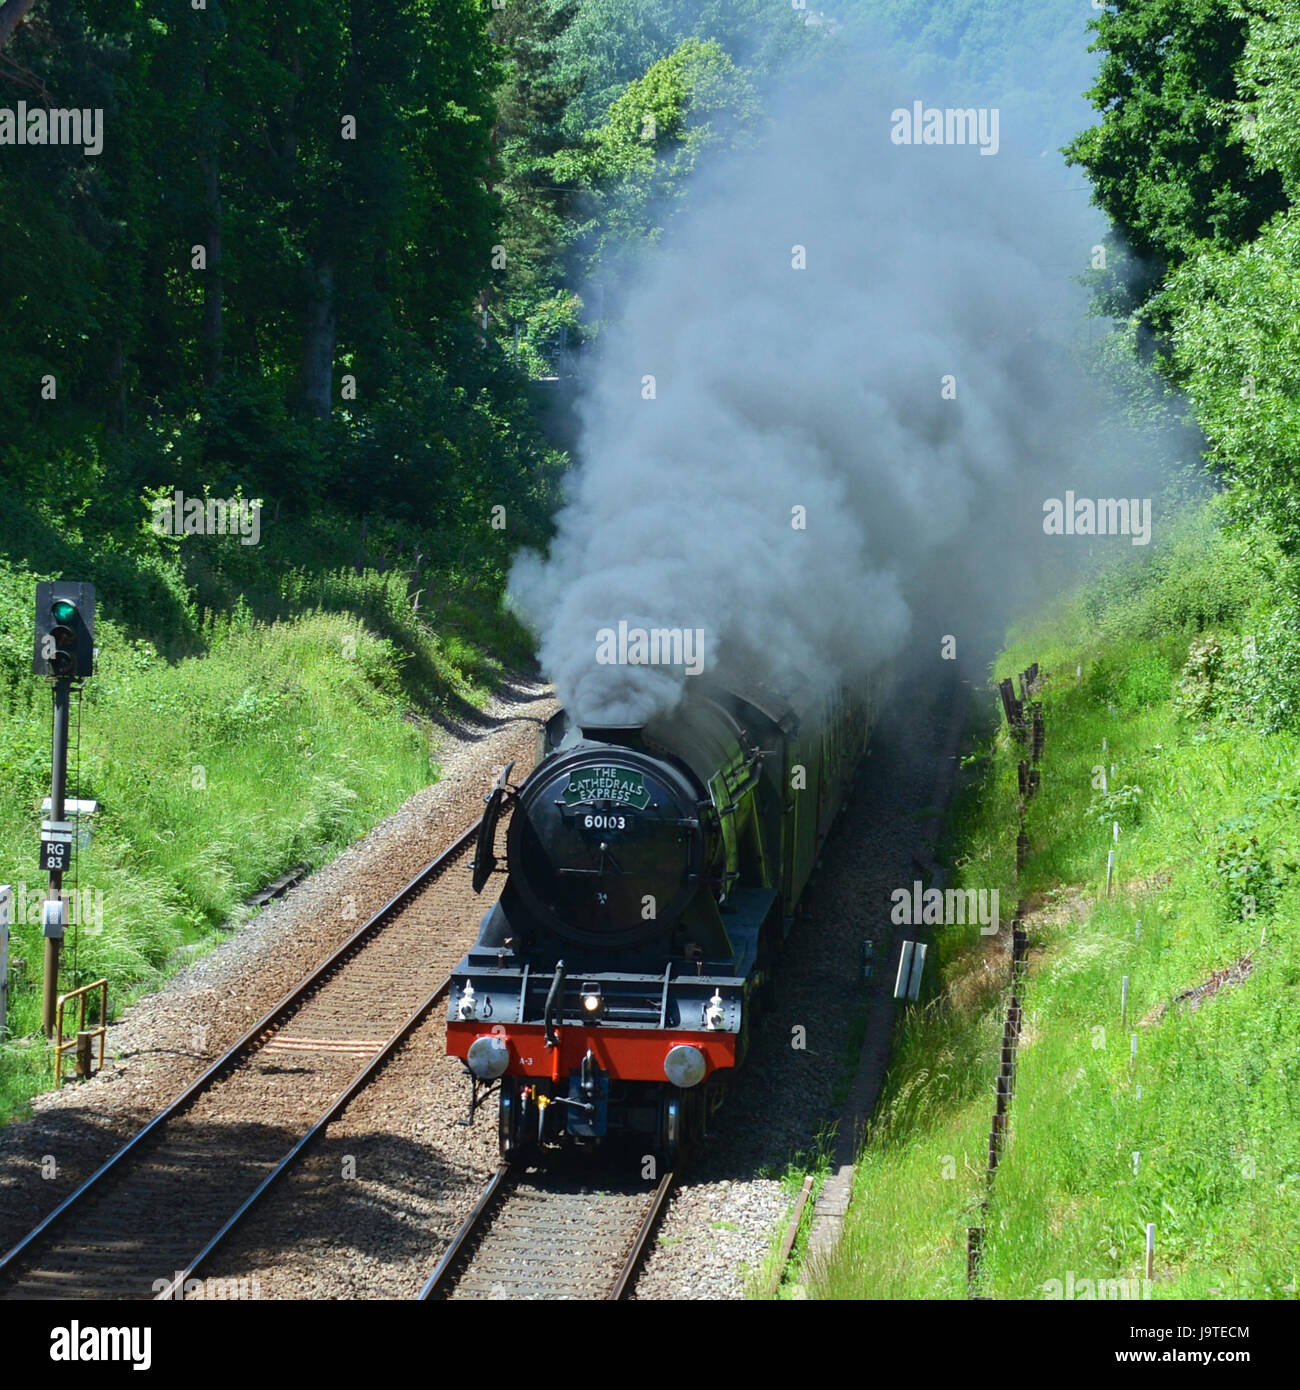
x,y
551,1234
149,1216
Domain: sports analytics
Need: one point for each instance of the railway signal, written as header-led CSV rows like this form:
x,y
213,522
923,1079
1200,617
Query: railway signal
x,y
64,652
65,630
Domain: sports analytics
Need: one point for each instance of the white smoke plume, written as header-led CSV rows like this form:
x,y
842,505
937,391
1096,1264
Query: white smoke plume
x,y
930,269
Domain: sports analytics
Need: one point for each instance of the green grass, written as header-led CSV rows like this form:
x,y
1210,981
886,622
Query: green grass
x,y
276,743
1206,861
816,1164
921,1173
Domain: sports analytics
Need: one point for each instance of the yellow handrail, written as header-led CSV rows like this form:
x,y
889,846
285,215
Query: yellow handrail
x,y
62,1045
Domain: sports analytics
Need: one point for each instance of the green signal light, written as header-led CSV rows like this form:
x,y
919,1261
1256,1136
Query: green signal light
x,y
64,611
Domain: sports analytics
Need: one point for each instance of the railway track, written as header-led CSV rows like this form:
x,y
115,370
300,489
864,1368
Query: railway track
x,y
147,1219
540,1234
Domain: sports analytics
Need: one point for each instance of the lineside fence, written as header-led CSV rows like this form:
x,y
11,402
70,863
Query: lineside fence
x,y
1025,720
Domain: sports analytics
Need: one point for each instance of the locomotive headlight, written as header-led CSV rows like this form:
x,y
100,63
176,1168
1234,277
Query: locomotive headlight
x,y
592,1002
468,1005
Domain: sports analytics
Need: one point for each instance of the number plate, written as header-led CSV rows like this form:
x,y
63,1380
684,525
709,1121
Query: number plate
x,y
56,855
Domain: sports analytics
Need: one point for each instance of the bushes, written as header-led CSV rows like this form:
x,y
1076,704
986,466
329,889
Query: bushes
x,y
1250,878
1202,575
1251,679
1270,673
1211,612
1200,687
1123,805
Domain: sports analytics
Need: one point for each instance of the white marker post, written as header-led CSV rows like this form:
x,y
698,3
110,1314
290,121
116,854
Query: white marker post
x,y
1110,870
904,976
911,966
1151,1249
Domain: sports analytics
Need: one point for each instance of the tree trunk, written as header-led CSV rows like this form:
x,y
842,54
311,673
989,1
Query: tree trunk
x,y
318,343
214,289
12,12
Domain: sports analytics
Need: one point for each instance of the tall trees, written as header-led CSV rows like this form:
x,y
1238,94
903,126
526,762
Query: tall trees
x,y
637,160
1197,160
604,109
290,192
531,101
1165,161
610,43
1237,351
299,203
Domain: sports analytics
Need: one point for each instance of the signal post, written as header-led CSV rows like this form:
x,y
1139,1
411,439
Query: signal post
x,y
64,653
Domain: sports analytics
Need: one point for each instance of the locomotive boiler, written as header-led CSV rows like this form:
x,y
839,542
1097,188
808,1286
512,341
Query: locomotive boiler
x,y
652,874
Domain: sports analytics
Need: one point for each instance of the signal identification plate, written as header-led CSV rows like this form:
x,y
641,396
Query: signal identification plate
x,y
56,855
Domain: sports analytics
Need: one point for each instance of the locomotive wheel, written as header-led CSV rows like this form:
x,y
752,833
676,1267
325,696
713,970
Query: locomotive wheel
x,y
670,1127
680,1123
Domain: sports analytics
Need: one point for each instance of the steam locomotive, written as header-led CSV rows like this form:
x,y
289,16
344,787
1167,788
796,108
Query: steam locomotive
x,y
652,874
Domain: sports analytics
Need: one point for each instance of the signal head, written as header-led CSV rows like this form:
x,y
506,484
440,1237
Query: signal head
x,y
65,630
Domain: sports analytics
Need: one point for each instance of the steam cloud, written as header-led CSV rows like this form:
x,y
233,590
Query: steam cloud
x,y
821,389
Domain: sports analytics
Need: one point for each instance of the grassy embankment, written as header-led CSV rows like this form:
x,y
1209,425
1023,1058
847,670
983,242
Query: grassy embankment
x,y
252,708
1190,681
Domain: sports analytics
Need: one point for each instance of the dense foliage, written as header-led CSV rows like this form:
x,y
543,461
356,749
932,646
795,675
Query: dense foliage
x,y
1197,160
1165,160
604,109
287,195
273,279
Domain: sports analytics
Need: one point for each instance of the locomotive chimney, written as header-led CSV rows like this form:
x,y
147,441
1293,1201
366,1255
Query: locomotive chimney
x,y
626,735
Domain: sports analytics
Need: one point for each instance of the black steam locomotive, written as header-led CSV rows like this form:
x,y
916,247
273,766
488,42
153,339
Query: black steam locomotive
x,y
652,874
